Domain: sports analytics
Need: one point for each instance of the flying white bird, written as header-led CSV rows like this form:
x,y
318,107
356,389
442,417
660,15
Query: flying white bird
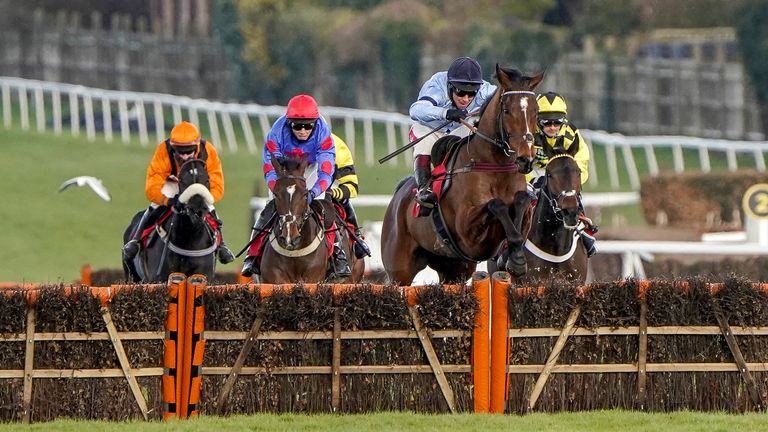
x,y
92,182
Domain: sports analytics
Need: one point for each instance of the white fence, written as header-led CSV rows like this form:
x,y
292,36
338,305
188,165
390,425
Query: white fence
x,y
241,127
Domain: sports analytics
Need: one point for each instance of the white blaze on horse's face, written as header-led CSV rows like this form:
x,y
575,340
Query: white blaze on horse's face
x,y
524,108
290,220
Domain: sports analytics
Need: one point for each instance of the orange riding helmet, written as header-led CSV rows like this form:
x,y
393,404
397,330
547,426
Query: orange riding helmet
x,y
185,134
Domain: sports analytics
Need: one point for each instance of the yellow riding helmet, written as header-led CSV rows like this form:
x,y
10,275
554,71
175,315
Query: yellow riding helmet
x,y
552,106
185,134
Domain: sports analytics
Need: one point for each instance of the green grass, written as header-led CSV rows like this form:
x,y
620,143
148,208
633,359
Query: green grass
x,y
50,235
593,421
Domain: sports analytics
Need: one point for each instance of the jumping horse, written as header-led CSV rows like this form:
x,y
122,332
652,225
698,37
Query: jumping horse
x,y
486,203
554,247
184,239
298,247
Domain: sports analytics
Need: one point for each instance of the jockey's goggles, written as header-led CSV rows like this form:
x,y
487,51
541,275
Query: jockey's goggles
x,y
551,122
302,125
462,90
184,151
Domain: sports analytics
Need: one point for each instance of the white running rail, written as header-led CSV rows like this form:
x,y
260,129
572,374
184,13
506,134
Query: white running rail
x,y
241,127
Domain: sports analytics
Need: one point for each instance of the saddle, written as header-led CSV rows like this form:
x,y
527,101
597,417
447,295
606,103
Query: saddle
x,y
444,150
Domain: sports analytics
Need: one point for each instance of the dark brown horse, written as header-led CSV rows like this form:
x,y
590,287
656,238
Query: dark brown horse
x,y
487,202
554,247
297,250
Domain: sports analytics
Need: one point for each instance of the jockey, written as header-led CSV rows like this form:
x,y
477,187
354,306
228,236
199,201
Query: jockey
x,y
345,188
300,131
445,99
162,187
553,130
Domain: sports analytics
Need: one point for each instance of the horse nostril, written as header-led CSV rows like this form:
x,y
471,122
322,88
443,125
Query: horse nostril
x,y
525,165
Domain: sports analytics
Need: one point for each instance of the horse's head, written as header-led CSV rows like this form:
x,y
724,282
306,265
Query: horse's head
x,y
194,185
290,192
514,111
562,186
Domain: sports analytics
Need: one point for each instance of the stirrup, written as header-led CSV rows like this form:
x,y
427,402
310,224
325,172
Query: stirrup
x,y
341,268
426,198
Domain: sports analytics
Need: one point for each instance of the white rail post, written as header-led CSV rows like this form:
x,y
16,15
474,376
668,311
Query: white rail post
x,y
40,109
24,108
122,106
7,114
90,129
106,117
74,113
56,108
250,140
159,121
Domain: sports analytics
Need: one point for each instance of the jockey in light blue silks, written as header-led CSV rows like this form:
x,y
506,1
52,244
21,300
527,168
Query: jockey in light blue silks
x,y
448,96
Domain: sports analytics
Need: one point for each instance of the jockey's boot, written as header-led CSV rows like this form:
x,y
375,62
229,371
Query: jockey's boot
x,y
423,174
251,264
133,246
589,243
340,264
225,255
361,249
588,232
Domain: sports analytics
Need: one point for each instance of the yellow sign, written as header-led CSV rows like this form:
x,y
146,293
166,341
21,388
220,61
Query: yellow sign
x,y
755,201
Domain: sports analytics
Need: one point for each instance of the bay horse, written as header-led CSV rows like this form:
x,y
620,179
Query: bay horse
x,y
554,247
183,240
298,248
487,202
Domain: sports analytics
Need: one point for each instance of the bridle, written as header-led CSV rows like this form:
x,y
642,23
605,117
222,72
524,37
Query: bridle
x,y
502,142
554,201
283,220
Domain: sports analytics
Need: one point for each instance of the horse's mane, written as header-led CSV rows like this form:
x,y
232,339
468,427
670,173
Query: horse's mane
x,y
291,163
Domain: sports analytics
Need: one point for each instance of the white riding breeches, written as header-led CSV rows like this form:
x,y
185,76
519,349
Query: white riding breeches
x,y
424,147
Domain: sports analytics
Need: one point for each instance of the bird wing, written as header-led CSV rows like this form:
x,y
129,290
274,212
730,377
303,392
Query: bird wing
x,y
92,182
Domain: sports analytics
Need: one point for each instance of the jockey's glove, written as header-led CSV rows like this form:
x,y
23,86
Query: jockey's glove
x,y
454,114
172,201
337,193
310,196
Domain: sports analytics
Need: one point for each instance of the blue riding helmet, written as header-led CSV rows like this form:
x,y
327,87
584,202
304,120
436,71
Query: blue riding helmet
x,y
465,74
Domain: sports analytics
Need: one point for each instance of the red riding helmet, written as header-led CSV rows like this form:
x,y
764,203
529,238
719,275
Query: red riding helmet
x,y
302,107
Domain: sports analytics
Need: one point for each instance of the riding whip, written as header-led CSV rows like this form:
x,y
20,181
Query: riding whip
x,y
412,143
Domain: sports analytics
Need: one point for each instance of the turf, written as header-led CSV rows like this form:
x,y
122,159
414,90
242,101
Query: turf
x,y
50,235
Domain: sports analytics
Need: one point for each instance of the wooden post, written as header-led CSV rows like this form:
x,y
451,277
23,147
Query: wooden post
x,y
642,356
481,361
336,363
250,341
552,359
29,363
434,362
124,363
500,282
725,328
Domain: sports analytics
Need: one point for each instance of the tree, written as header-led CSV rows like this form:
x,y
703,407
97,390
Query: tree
x,y
751,22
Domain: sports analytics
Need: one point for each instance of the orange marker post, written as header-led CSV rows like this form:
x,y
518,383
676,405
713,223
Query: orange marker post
x,y
481,366
499,341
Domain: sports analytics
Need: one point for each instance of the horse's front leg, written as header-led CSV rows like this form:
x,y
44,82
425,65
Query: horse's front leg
x,y
513,259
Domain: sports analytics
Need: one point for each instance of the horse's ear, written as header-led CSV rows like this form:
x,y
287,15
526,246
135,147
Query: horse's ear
x,y
574,148
277,164
502,77
303,162
535,80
